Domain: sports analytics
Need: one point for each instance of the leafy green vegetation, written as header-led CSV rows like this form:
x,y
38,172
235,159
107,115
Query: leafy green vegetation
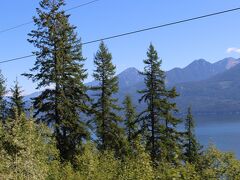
x,y
28,151
71,136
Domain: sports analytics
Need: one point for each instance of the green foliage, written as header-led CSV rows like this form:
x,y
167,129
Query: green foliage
x,y
88,161
192,147
94,164
138,166
218,165
110,134
67,172
59,64
31,150
130,119
157,123
108,166
3,91
168,171
16,104
103,165
27,150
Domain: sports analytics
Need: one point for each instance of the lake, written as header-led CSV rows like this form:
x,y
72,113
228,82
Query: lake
x,y
223,131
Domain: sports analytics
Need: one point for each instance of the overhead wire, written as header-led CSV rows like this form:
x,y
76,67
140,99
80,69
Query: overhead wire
x,y
139,31
30,22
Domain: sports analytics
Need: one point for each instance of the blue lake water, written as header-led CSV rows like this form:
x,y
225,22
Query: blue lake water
x,y
223,132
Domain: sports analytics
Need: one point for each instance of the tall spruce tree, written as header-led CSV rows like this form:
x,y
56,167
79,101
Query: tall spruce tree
x,y
130,119
158,125
171,137
107,121
16,101
192,147
60,71
3,104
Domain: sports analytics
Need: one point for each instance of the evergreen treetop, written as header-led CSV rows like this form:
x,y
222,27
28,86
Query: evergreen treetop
x,y
192,147
157,121
107,120
16,101
59,69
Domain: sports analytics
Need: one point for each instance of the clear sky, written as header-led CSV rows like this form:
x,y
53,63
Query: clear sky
x,y
177,45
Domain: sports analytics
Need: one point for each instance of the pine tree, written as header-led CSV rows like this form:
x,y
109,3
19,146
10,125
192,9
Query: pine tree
x,y
60,71
158,125
130,119
171,137
192,147
3,104
106,118
16,104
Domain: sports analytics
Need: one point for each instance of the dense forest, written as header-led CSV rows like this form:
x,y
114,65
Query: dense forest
x,y
67,134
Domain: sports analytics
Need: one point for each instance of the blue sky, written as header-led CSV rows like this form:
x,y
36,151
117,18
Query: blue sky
x,y
177,45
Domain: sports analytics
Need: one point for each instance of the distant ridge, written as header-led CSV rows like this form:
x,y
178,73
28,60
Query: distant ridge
x,y
199,70
217,95
207,87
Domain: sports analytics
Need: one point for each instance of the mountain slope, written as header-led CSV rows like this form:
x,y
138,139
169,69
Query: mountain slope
x,y
218,94
199,70
207,87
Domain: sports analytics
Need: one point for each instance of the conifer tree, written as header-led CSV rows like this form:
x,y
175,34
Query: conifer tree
x,y
60,71
107,120
171,138
16,104
158,125
192,147
3,104
130,119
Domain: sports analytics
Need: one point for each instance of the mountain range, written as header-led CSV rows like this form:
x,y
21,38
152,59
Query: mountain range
x,y
209,88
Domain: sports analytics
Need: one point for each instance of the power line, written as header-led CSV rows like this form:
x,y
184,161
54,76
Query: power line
x,y
163,25
81,5
15,59
15,27
30,22
140,30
